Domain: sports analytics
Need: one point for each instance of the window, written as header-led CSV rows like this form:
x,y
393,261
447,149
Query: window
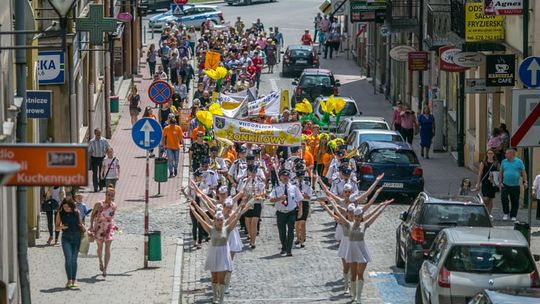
x,y
351,139
380,137
490,259
316,80
342,125
415,208
456,214
393,156
370,125
437,249
349,109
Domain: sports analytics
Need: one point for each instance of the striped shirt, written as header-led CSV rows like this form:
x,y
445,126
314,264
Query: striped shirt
x,y
98,147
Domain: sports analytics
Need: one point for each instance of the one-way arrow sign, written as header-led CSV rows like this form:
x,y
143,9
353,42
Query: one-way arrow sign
x,y
528,72
146,133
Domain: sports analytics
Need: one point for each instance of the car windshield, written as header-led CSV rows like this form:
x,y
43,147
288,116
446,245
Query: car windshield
x,y
380,137
370,125
489,259
315,80
300,53
455,215
392,156
349,109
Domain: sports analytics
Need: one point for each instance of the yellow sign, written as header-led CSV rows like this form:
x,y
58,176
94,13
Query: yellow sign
x,y
211,60
282,134
326,7
479,27
284,100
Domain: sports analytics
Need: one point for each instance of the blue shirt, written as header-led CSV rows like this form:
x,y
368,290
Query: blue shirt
x,y
512,171
83,210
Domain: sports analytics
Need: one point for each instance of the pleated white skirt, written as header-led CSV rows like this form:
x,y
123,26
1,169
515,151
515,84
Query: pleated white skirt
x,y
235,242
218,259
357,252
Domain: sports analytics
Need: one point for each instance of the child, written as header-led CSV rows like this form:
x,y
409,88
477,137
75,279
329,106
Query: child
x,y
465,187
81,206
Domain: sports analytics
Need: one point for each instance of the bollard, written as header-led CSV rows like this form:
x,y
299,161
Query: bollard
x,y
144,35
115,107
154,245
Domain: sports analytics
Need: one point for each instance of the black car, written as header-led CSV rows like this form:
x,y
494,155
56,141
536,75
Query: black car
x,y
426,217
296,58
154,5
314,83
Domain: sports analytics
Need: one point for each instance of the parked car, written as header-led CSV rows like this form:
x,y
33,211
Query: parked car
x,y
356,137
402,171
298,57
346,126
426,217
194,15
350,110
466,260
314,83
246,2
154,5
507,296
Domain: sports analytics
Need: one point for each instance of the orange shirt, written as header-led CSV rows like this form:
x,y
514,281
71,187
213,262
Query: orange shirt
x,y
308,159
312,143
326,159
172,137
197,129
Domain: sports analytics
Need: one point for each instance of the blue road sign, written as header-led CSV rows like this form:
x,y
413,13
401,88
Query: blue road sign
x,y
51,67
38,104
528,72
147,133
177,10
160,92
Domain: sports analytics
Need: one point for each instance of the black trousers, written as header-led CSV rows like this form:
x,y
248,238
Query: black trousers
x,y
96,163
51,215
511,192
328,46
408,135
196,229
285,224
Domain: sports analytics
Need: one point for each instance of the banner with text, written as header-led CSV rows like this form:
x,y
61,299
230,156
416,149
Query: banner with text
x,y
283,134
269,105
503,7
479,27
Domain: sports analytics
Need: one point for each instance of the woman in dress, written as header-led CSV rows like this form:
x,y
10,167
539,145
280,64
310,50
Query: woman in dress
x,y
219,260
151,58
103,227
253,189
426,121
134,108
68,221
357,254
271,54
484,180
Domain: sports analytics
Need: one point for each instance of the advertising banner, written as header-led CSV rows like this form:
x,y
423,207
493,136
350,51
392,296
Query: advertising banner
x,y
503,7
477,86
269,105
38,104
500,70
446,63
283,134
418,61
367,10
479,27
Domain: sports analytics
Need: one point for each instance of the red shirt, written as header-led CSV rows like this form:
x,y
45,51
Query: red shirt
x,y
258,63
252,70
306,39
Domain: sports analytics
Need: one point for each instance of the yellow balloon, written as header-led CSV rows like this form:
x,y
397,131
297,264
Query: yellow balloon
x,y
206,118
304,107
221,72
215,109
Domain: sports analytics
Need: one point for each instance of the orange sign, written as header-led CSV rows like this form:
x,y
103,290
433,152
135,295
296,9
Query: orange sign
x,y
47,165
211,60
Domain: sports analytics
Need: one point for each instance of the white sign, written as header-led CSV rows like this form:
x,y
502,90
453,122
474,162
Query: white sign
x,y
269,105
503,7
478,85
51,67
523,103
401,52
469,59
342,11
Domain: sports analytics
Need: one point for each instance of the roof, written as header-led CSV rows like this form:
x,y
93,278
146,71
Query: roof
x,y
367,118
317,71
453,199
375,131
479,235
389,145
347,99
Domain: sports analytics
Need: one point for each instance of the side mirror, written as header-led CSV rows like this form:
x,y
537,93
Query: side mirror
x,y
403,215
338,84
360,113
294,83
536,257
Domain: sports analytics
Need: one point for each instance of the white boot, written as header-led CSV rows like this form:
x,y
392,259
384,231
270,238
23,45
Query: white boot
x,y
214,293
221,293
227,281
346,281
359,286
353,290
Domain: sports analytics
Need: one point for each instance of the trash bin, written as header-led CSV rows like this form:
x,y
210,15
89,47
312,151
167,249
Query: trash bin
x,y
525,229
154,245
115,108
160,170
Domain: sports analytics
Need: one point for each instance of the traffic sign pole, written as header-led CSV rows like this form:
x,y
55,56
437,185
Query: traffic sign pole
x,y
146,219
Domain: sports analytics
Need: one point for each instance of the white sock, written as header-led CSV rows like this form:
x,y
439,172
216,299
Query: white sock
x,y
359,287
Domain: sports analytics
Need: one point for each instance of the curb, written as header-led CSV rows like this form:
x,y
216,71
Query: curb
x,y
177,276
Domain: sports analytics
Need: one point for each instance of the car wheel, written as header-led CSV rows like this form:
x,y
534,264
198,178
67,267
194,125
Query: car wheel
x,y
399,260
229,3
418,295
411,275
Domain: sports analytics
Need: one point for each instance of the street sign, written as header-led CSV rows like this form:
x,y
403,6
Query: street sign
x,y
500,70
525,114
38,104
363,11
177,10
47,164
469,59
418,61
147,133
447,54
342,10
528,72
95,24
51,67
478,85
160,92
401,52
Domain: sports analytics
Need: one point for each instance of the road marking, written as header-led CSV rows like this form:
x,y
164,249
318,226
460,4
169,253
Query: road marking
x,y
273,84
177,278
392,287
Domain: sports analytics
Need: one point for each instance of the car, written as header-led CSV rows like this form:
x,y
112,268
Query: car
x,y
298,57
346,126
194,15
358,136
425,218
466,260
246,2
397,160
350,110
314,83
154,5
507,295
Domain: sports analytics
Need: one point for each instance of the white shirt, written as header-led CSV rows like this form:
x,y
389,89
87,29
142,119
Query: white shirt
x,y
113,172
294,197
306,189
210,178
338,184
238,169
253,187
536,187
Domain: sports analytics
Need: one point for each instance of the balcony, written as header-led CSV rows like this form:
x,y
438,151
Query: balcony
x,y
403,15
438,23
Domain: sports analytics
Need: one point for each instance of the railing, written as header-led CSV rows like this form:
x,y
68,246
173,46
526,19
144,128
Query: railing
x,y
438,22
403,15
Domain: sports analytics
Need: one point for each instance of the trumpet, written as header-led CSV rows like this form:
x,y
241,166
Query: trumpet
x,y
224,145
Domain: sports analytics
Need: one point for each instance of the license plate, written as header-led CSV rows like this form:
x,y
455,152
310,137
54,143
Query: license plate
x,y
393,185
301,61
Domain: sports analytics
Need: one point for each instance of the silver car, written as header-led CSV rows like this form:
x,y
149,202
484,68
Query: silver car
x,y
507,296
350,110
346,126
356,137
464,261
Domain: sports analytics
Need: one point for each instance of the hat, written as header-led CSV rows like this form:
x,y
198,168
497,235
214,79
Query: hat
x,y
351,207
347,187
242,149
223,190
354,197
214,149
219,207
340,153
219,215
358,211
229,202
345,160
306,30
205,161
197,173
294,149
250,157
346,171
284,172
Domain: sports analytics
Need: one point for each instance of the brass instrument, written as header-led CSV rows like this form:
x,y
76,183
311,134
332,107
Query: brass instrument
x,y
224,145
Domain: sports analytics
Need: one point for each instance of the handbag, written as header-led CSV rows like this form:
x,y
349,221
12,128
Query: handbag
x,y
103,181
50,205
85,244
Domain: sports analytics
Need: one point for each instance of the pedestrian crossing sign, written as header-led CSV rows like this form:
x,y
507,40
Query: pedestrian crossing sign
x,y
177,9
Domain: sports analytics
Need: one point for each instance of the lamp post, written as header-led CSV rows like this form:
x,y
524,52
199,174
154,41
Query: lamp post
x,y
62,8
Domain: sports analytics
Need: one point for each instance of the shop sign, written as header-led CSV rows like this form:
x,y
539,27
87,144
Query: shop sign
x,y
469,59
401,52
418,61
503,7
479,27
500,70
477,86
446,56
367,10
